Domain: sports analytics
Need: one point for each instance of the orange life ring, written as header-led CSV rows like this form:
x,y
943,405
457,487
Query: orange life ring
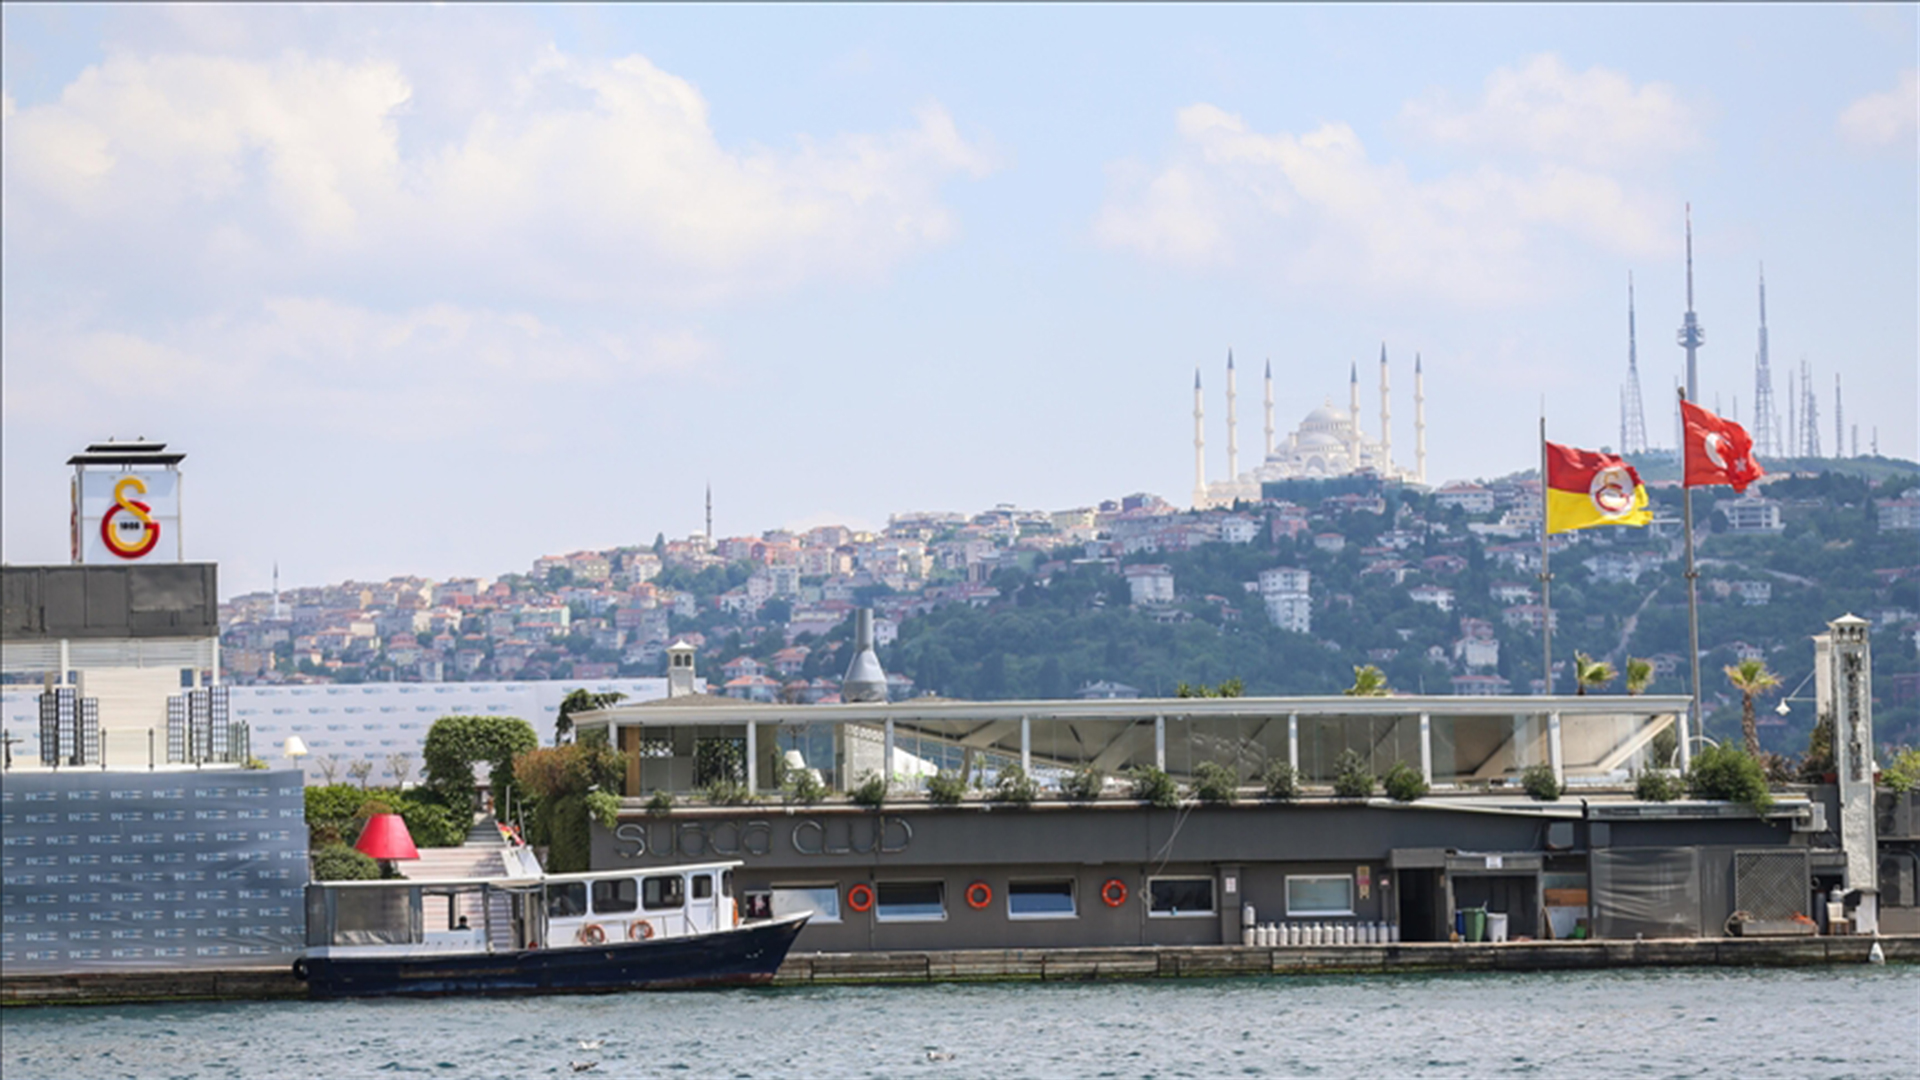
x,y
592,934
640,930
1114,892
979,895
860,898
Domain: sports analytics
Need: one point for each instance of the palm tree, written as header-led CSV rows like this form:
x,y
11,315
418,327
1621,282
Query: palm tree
x,y
1752,679
1639,675
1368,681
1588,672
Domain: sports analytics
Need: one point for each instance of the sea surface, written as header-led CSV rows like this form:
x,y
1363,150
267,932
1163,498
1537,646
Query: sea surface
x,y
1819,1022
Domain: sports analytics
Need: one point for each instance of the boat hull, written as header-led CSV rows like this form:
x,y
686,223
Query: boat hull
x,y
746,956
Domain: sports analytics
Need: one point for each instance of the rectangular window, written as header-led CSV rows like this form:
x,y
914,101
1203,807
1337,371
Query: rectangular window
x,y
909,901
1319,894
702,886
1176,897
566,900
822,900
613,897
664,891
1040,900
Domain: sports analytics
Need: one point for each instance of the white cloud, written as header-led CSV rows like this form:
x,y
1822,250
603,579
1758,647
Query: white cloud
x,y
594,179
1319,209
1887,117
1597,117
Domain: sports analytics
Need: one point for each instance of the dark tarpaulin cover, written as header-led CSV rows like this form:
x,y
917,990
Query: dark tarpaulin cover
x,y
1647,892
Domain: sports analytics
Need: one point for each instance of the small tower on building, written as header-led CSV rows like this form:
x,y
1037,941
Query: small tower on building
x,y
680,670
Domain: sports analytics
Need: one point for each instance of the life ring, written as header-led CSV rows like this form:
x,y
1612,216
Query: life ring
x,y
640,930
1114,892
860,898
979,895
592,934
300,969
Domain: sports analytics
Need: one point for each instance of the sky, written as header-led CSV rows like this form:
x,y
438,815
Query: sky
x,y
442,289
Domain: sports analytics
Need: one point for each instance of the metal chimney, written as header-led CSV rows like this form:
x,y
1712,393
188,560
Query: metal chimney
x,y
865,680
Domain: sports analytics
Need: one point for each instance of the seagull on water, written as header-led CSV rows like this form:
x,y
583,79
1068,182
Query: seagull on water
x,y
592,1044
939,1055
582,1066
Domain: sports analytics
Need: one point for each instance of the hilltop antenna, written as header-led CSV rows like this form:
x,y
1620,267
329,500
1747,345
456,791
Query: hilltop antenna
x,y
1633,413
1839,421
1691,335
1766,435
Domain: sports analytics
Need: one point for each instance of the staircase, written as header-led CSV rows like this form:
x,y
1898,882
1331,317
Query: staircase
x,y
479,857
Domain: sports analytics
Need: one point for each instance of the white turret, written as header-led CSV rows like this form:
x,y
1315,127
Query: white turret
x,y
1269,451
1353,411
1233,424
1419,424
1199,446
1386,417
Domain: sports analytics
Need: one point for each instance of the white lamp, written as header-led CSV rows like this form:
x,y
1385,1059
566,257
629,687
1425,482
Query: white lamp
x,y
294,748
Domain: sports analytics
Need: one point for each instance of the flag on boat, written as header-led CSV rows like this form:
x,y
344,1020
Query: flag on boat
x,y
1585,488
1718,450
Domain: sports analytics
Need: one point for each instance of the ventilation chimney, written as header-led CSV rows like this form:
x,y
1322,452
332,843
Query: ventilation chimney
x,y
865,680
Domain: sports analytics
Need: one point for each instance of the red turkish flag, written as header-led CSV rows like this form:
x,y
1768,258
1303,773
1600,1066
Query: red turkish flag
x,y
1718,451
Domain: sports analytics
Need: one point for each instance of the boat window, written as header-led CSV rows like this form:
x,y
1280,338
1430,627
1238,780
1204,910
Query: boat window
x,y
702,886
1040,899
617,895
663,891
566,900
1171,897
1319,894
910,901
821,901
726,883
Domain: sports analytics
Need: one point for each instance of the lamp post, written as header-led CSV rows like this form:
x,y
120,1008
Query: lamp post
x,y
294,749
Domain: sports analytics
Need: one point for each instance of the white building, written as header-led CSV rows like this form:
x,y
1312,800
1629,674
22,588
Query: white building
x,y
1151,584
1286,593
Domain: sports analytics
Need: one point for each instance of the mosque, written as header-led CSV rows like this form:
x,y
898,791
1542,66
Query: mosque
x,y
1329,443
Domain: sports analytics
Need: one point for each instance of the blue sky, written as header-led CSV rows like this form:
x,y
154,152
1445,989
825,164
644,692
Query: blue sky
x,y
443,289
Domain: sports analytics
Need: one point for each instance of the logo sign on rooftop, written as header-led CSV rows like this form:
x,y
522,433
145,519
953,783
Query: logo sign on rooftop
x,y
126,504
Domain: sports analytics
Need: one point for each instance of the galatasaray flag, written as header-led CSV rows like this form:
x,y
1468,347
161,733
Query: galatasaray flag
x,y
1585,488
1719,451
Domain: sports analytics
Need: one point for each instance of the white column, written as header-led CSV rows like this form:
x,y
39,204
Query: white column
x,y
753,760
1026,746
1160,743
1554,756
66,663
1426,748
1293,741
888,752
1233,425
216,660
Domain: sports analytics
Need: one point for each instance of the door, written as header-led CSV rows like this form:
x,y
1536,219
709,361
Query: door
x,y
702,905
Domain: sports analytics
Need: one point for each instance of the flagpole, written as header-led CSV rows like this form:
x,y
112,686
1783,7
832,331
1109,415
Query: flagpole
x,y
1546,578
1693,607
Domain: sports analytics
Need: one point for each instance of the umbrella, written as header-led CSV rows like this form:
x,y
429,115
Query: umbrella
x,y
386,837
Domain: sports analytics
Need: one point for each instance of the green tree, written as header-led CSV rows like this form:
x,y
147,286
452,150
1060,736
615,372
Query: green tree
x,y
1752,679
580,701
1590,673
561,783
455,744
1368,681
1639,675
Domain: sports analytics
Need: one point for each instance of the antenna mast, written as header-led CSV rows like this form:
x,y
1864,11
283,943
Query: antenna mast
x,y
1633,414
1691,335
1766,433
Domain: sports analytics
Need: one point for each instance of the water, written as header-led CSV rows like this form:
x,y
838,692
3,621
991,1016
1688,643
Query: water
x,y
1854,1021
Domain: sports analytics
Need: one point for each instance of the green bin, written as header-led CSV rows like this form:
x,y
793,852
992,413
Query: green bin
x,y
1476,924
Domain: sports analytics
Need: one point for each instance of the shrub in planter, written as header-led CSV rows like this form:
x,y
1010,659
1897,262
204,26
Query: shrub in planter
x,y
1215,783
1014,786
946,788
660,803
1351,777
1903,774
1280,781
1084,785
1658,785
1155,786
1726,772
1404,782
803,786
1539,782
725,791
872,791
338,862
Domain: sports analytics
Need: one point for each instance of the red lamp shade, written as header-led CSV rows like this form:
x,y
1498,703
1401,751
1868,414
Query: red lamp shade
x,y
386,837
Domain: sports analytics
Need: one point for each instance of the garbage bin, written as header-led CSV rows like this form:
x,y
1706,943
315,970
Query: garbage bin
x,y
1476,924
1496,926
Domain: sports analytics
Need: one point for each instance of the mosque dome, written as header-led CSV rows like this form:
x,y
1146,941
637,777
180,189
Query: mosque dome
x,y
1315,440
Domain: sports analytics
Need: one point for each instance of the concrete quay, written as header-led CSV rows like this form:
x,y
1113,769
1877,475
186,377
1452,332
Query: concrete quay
x,y
1075,965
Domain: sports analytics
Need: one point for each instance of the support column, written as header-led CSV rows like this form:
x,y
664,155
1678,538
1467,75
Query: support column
x,y
1554,757
887,758
1026,746
1426,748
753,759
1293,742
1160,743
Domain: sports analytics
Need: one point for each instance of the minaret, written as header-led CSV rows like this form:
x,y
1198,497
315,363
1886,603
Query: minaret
x,y
1766,439
1386,418
1233,424
710,539
1633,421
1269,406
1691,335
1353,418
278,611
1199,446
1419,424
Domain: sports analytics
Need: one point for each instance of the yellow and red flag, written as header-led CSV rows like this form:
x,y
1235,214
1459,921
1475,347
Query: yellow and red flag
x,y
1719,451
1586,488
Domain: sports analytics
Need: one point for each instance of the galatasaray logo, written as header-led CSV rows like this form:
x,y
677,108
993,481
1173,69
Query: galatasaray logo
x,y
1612,491
134,535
